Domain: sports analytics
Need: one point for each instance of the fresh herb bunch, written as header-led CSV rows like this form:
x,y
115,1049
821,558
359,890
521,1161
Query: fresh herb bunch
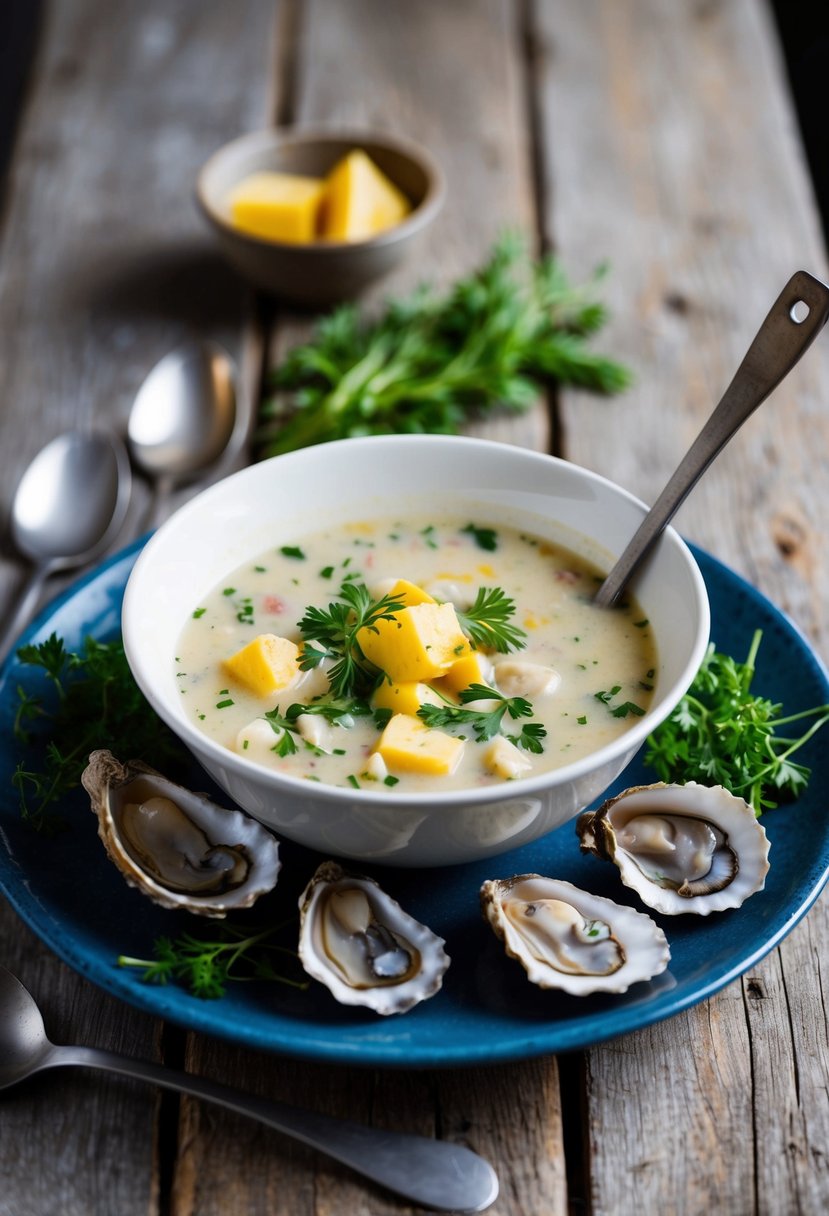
x,y
494,339
90,700
487,722
723,733
206,966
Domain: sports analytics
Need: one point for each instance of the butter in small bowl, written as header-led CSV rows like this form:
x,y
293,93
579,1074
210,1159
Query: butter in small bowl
x,y
316,216
354,202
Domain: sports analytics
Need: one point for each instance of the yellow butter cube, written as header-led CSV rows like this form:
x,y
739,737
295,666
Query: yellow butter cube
x,y
360,201
410,746
409,593
464,671
404,698
277,206
416,644
266,665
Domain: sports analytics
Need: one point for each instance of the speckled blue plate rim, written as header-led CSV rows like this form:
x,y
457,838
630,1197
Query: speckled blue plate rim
x,y
491,1015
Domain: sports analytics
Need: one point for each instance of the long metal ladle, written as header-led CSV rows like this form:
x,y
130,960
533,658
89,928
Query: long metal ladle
x,y
67,509
795,320
434,1173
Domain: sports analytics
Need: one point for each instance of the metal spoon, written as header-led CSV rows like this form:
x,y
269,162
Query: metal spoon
x,y
183,417
434,1173
68,507
795,320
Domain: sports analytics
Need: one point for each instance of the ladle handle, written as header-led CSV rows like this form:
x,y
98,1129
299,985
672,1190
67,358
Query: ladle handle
x,y
793,323
434,1173
26,603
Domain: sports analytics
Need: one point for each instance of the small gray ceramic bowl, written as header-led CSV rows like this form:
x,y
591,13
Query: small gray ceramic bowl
x,y
323,272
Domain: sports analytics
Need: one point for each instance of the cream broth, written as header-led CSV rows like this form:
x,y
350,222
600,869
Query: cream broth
x,y
587,673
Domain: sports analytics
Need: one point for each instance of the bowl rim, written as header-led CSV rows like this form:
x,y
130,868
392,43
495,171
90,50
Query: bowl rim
x,y
618,749
277,137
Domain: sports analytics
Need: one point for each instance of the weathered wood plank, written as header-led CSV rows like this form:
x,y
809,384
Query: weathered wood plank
x,y
105,262
670,148
404,74
401,74
104,266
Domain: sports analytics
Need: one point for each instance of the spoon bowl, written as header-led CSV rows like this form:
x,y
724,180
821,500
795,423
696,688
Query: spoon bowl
x,y
184,417
435,1173
68,507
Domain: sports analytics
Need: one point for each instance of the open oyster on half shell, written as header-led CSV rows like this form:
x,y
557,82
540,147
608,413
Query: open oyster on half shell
x,y
176,846
358,941
682,848
571,939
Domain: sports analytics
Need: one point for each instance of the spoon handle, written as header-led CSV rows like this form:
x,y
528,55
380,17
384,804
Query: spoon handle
x,y
794,321
28,598
434,1173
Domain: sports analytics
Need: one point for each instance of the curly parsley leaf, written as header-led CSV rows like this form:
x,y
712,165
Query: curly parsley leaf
x,y
488,621
334,630
486,721
722,733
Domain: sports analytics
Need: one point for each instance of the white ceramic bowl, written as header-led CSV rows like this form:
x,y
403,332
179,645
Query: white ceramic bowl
x,y
279,500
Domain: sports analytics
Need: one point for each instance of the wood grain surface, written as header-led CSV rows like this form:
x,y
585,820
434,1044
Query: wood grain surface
x,y
658,137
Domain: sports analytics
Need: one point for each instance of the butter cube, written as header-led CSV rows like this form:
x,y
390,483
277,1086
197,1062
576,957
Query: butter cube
x,y
410,746
418,643
468,669
360,201
266,665
404,698
504,759
409,593
277,206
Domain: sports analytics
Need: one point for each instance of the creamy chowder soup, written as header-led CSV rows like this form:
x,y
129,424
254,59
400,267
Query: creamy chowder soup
x,y
414,655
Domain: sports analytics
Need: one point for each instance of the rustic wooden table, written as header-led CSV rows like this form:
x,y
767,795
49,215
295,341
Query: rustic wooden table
x,y
658,136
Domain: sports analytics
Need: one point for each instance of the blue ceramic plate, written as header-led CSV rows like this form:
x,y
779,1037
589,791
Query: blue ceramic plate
x,y
70,895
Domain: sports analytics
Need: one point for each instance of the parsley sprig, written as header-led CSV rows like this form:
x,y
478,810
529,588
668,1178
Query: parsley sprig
x,y
495,339
722,733
339,711
206,965
89,700
487,722
331,633
488,622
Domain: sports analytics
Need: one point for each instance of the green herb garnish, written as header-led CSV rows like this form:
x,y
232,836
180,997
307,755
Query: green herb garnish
x,y
496,338
487,722
206,966
331,633
90,701
485,538
487,622
722,733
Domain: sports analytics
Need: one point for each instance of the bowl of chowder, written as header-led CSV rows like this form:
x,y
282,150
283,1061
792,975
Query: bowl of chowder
x,y
386,648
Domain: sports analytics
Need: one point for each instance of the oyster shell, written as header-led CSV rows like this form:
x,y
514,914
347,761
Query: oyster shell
x,y
176,846
570,939
358,941
682,848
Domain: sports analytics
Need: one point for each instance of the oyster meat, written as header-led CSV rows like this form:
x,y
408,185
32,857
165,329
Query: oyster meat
x,y
570,939
358,941
682,848
176,846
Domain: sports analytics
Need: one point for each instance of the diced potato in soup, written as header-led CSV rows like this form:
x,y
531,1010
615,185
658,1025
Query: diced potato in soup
x,y
335,658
